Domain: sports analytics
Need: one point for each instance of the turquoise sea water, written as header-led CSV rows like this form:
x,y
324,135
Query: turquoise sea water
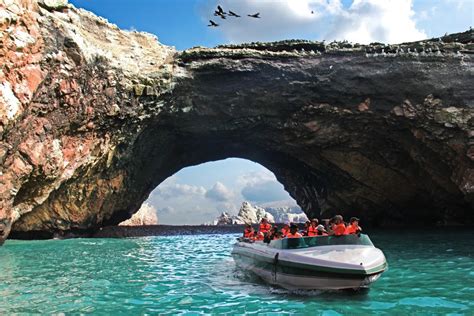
x,y
430,273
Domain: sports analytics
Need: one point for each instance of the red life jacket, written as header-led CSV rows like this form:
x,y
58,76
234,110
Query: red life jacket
x,y
263,228
352,229
312,231
248,233
295,235
339,229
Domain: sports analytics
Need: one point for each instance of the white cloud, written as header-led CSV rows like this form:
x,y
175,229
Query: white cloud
x,y
166,210
170,189
219,192
178,202
389,21
252,178
278,18
261,187
363,21
265,191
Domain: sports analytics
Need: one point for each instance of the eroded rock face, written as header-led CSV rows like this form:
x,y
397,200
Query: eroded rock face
x,y
146,215
93,118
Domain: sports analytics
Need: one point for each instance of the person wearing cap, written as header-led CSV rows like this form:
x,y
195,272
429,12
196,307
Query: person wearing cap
x,y
285,230
320,231
338,226
353,227
293,232
312,229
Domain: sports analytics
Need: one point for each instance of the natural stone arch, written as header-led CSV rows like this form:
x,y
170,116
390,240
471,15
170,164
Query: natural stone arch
x,y
378,129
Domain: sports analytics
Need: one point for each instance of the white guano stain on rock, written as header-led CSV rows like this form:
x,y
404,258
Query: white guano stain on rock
x,y
23,39
10,101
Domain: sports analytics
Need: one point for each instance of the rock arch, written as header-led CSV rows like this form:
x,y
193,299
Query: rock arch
x,y
93,118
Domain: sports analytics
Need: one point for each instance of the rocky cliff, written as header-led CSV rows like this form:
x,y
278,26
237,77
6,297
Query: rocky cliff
x,y
92,118
146,215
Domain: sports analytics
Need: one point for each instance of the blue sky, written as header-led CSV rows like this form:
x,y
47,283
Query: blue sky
x,y
198,194
182,23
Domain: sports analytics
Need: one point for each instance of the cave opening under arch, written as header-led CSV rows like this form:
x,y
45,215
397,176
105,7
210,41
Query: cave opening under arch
x,y
200,194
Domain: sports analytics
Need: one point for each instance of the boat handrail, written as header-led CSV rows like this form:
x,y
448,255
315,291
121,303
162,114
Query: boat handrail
x,y
307,242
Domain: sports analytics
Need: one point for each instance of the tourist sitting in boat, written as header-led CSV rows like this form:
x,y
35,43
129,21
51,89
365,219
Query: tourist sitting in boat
x,y
312,229
304,232
264,226
285,230
278,235
270,235
320,231
353,227
248,231
338,227
293,232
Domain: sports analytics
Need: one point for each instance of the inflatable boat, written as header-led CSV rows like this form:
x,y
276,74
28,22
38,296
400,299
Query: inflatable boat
x,y
313,263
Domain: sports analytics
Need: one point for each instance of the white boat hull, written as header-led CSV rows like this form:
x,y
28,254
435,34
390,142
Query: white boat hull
x,y
319,268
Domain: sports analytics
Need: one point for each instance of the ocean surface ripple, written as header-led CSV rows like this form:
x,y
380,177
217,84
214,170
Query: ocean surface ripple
x,y
429,273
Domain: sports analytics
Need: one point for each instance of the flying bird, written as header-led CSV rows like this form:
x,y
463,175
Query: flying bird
x,y
234,14
256,15
214,24
221,11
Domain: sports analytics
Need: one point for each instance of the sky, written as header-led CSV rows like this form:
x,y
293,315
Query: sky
x,y
183,23
198,194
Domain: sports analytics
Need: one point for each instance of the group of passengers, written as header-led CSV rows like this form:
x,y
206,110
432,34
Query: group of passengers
x,y
334,227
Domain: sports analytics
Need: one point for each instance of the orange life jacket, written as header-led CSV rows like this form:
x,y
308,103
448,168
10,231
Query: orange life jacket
x,y
339,229
352,229
285,231
248,233
264,228
295,235
260,236
312,231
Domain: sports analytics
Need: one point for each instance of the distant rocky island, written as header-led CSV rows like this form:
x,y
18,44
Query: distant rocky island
x,y
249,214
